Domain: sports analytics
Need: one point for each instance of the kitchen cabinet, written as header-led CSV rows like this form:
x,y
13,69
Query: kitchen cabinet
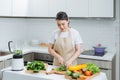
x,y
101,8
77,8
5,7
1,65
106,66
49,8
30,8
7,62
54,6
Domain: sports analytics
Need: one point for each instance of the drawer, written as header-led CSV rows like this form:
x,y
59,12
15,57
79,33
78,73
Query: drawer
x,y
100,63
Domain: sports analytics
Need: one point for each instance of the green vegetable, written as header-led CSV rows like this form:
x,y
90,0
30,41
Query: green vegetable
x,y
36,66
94,68
76,75
60,68
69,73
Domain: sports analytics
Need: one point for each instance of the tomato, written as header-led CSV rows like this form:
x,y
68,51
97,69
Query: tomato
x,y
88,73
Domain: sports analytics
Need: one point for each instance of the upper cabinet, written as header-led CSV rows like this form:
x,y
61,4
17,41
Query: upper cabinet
x,y
49,8
54,6
30,8
5,8
101,8
77,8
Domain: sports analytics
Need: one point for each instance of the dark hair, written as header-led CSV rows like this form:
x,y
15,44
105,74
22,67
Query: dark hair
x,y
61,16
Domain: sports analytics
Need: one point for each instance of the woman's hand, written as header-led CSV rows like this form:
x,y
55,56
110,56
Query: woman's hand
x,y
68,63
60,60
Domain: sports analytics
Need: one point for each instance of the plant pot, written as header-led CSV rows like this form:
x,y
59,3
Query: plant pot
x,y
99,51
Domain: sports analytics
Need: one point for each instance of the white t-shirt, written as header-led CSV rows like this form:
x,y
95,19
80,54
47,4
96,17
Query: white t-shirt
x,y
76,38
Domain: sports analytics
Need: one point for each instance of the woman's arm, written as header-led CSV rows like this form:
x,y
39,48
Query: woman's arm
x,y
75,55
53,53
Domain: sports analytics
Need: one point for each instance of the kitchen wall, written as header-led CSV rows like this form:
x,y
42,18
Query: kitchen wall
x,y
93,31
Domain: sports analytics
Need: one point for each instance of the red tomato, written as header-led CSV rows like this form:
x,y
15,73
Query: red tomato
x,y
88,73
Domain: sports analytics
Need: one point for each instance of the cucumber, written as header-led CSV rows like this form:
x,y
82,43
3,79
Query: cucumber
x,y
69,73
76,75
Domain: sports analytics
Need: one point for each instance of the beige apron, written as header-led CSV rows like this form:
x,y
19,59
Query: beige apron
x,y
64,47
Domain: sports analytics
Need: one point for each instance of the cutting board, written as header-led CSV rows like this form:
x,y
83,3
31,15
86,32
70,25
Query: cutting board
x,y
56,72
83,78
32,72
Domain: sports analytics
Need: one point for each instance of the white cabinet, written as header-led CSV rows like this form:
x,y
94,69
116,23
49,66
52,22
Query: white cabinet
x,y
101,8
31,8
77,8
49,8
8,62
1,65
54,6
5,8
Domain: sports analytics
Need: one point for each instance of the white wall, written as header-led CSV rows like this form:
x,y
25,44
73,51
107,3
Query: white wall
x,y
92,31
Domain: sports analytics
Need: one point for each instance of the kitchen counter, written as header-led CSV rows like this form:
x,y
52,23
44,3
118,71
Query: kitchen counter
x,y
8,74
108,56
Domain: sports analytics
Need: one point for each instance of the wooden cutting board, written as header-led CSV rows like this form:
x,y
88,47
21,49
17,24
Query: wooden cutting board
x,y
82,78
32,72
56,72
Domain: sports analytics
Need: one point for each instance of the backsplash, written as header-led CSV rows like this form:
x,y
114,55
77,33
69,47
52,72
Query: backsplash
x,y
92,31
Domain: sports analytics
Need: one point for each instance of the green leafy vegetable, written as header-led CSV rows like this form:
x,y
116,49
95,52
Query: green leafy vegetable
x,y
36,66
60,68
94,68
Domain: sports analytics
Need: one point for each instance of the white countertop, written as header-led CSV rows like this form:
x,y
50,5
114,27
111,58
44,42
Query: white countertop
x,y
8,74
108,56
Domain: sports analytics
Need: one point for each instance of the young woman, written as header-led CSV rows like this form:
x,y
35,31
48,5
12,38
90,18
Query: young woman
x,y
65,43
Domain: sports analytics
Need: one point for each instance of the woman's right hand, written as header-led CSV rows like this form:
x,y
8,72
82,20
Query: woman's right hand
x,y
60,60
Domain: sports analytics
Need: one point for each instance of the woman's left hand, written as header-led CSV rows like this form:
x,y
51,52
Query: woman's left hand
x,y
68,63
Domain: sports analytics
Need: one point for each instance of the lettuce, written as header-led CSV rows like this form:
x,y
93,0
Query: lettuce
x,y
93,67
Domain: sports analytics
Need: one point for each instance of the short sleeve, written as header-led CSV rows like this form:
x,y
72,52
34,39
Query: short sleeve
x,y
52,38
78,39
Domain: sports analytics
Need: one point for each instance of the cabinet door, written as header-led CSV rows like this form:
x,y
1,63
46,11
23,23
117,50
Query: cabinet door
x,y
30,8
54,6
8,63
77,8
101,8
5,7
1,65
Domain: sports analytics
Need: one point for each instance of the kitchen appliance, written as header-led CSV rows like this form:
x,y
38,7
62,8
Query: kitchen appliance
x,y
99,50
17,63
17,60
47,58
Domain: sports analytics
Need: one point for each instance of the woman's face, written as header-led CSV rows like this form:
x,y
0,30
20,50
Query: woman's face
x,y
63,25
